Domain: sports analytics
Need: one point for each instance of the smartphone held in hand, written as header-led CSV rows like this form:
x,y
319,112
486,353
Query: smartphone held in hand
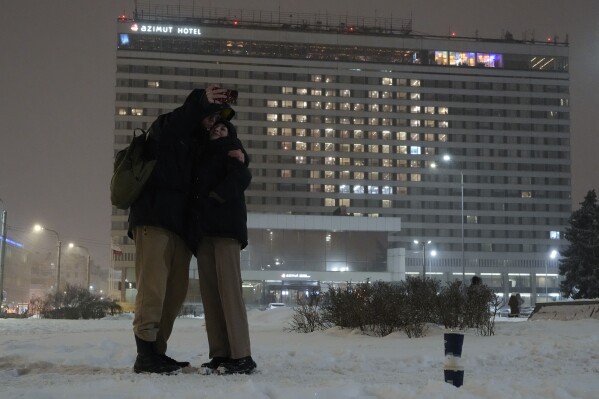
x,y
231,96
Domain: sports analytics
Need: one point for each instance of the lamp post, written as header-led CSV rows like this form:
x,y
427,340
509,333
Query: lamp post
x,y
552,255
3,251
37,228
447,158
87,270
423,243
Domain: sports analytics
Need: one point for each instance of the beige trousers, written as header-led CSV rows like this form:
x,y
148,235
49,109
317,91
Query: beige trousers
x,y
162,274
220,287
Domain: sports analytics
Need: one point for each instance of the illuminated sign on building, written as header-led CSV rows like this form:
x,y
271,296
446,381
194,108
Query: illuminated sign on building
x,y
166,29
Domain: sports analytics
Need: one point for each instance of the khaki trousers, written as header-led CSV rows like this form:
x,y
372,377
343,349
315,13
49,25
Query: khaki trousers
x,y
162,273
220,287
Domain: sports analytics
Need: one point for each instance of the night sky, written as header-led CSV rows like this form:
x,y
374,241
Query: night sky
x,y
57,78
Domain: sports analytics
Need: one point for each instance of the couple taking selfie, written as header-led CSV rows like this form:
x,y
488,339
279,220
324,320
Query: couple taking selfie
x,y
192,204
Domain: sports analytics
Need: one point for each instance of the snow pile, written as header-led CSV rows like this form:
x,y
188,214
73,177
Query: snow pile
x,y
547,359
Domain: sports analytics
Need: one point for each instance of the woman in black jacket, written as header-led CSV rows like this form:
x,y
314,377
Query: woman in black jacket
x,y
220,228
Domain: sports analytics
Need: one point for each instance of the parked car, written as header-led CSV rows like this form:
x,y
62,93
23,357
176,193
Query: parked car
x,y
275,305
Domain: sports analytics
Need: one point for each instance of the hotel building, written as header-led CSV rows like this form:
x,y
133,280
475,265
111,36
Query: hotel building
x,y
353,125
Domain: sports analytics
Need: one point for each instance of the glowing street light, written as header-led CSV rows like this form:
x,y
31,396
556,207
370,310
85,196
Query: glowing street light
x,y
2,252
423,244
553,254
72,245
38,229
447,158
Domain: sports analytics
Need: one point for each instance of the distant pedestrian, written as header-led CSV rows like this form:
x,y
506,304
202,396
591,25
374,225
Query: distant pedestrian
x,y
515,303
476,280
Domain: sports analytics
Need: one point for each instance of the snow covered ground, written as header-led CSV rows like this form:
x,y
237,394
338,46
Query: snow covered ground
x,y
90,359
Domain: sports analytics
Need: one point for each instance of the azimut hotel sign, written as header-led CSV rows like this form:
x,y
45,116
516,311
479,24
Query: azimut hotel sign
x,y
165,29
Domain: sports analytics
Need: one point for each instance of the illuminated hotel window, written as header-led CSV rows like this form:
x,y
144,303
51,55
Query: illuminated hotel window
x,y
373,121
414,122
329,119
373,175
329,161
344,161
358,107
489,60
387,163
344,148
344,121
414,96
441,58
373,135
402,149
272,117
344,174
358,134
386,135
358,121
315,146
315,188
300,132
373,94
329,188
429,110
461,59
286,131
386,203
329,132
373,148
329,174
300,159
345,107
287,90
301,118
153,83
300,146
302,91
358,189
315,132
387,108
415,109
329,78
402,190
387,190
315,174
137,111
402,163
443,110
443,124
373,107
442,137
429,151
402,176
373,190
345,93
316,92
415,83
272,131
316,78
329,146
386,176
286,117
429,137
344,202
301,104
358,162
122,111
287,104
358,148
344,134
386,149
429,123
414,164
387,81
402,135
554,235
526,194
329,93
316,105
387,94
286,146
272,103
415,177
415,136
285,173
329,202
329,105
359,175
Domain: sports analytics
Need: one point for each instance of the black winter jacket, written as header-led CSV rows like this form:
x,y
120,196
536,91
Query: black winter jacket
x,y
174,141
218,202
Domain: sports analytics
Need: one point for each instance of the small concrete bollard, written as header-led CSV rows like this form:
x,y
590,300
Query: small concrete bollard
x,y
454,371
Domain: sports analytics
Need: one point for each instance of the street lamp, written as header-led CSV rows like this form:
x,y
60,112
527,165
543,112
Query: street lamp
x,y
552,255
3,251
72,245
447,158
37,228
423,243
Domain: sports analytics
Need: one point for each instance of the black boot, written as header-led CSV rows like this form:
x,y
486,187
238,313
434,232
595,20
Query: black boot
x,y
148,361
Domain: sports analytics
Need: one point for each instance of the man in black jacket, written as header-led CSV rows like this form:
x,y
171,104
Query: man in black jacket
x,y
157,223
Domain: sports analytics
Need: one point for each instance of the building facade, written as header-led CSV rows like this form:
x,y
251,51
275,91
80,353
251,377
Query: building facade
x,y
465,140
